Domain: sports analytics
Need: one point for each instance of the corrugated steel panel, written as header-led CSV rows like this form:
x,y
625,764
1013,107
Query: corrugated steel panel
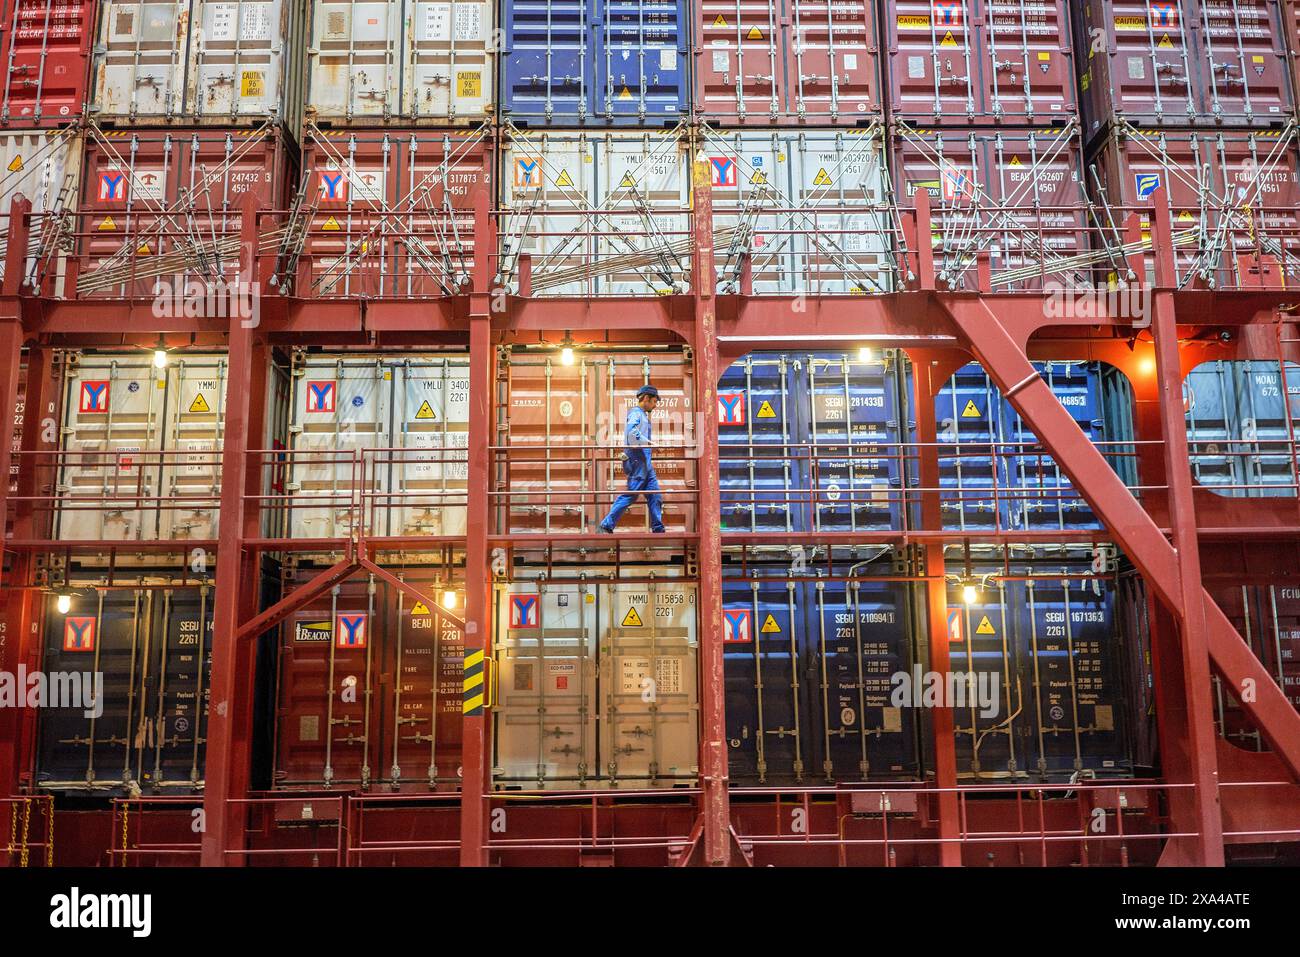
x,y
148,193
45,168
1013,196
200,61
407,62
808,667
597,683
810,208
378,444
967,62
786,62
392,211
45,47
1241,426
375,699
598,213
1268,617
565,429
1172,63
153,647
595,62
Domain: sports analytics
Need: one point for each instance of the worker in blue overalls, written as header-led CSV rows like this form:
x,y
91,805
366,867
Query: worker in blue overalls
x,y
640,472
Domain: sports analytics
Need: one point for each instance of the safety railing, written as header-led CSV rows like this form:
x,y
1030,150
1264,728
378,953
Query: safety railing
x,y
371,842
30,822
156,831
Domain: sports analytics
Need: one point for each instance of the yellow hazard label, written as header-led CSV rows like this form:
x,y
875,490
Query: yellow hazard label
x,y
971,411
199,404
564,179
822,178
1257,59
590,598
625,94
252,83
426,411
948,40
765,411
420,608
1044,55
720,21
1165,43
628,182
1131,24
17,164
913,22
632,619
1184,217
144,250
770,626
469,84
107,224
754,34
1015,161
331,225
985,627
759,178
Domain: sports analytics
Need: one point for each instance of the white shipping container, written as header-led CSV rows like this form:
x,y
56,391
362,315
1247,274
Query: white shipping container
x,y
809,206
44,167
599,213
597,683
413,412
407,61
200,61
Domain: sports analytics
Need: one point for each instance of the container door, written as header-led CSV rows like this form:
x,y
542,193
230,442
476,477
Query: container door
x,y
449,69
990,733
352,180
546,724
741,61
1247,80
110,478
1151,69
356,61
640,61
648,703
439,175
1027,63
191,474
429,470
759,467
141,60
643,181
238,60
1209,400
46,169
177,698
972,477
1269,404
48,44
934,57
750,173
546,70
832,70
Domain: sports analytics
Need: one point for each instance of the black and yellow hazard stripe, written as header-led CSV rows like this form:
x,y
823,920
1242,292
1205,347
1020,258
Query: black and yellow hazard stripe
x,y
473,686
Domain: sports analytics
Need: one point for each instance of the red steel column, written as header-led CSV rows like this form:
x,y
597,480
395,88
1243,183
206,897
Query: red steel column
x,y
476,737
941,719
1207,848
15,608
225,774
713,741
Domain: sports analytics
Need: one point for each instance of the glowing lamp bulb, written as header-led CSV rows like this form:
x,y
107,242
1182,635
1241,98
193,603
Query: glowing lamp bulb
x,y
969,594
864,354
1147,365
64,603
160,359
449,599
566,356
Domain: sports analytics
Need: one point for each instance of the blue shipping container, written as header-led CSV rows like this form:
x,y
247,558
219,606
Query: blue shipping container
x,y
595,63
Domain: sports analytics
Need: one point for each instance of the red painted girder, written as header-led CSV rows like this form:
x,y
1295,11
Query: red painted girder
x,y
384,574
1003,357
286,606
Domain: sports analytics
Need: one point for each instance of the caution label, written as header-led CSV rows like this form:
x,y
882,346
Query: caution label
x,y
1165,43
107,224
971,411
469,84
822,178
625,94
627,182
985,627
759,178
252,83
754,34
331,225
420,608
948,40
770,626
426,411
564,179
144,250
1130,24
200,404
16,164
913,22
765,411
1015,161
720,21
632,619
472,685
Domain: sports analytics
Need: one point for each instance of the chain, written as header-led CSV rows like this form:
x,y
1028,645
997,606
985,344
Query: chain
x,y
48,810
126,817
27,822
13,828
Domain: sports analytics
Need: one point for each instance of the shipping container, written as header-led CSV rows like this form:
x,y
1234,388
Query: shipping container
x,y
1233,197
595,214
1268,618
151,646
162,206
227,62
958,63
1183,63
44,167
377,445
813,441
1045,653
597,682
787,62
45,46
140,447
808,210
403,61
1014,197
596,62
809,665
368,687
391,212
1241,426
560,432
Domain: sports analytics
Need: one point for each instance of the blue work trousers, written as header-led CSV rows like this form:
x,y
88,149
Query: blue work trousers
x,y
641,479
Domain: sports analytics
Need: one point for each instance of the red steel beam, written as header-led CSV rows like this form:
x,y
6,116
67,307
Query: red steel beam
x,y
383,574
15,607
316,586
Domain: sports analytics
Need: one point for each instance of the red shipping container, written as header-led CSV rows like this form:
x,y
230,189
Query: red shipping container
x,y
157,203
45,48
814,61
1229,193
979,62
1013,197
1171,63
392,211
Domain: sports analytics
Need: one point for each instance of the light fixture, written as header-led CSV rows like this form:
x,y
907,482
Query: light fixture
x,y
64,603
970,594
449,599
160,354
864,354
566,356
1147,365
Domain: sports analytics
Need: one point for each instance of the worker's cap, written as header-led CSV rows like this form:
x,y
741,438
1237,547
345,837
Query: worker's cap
x,y
647,390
